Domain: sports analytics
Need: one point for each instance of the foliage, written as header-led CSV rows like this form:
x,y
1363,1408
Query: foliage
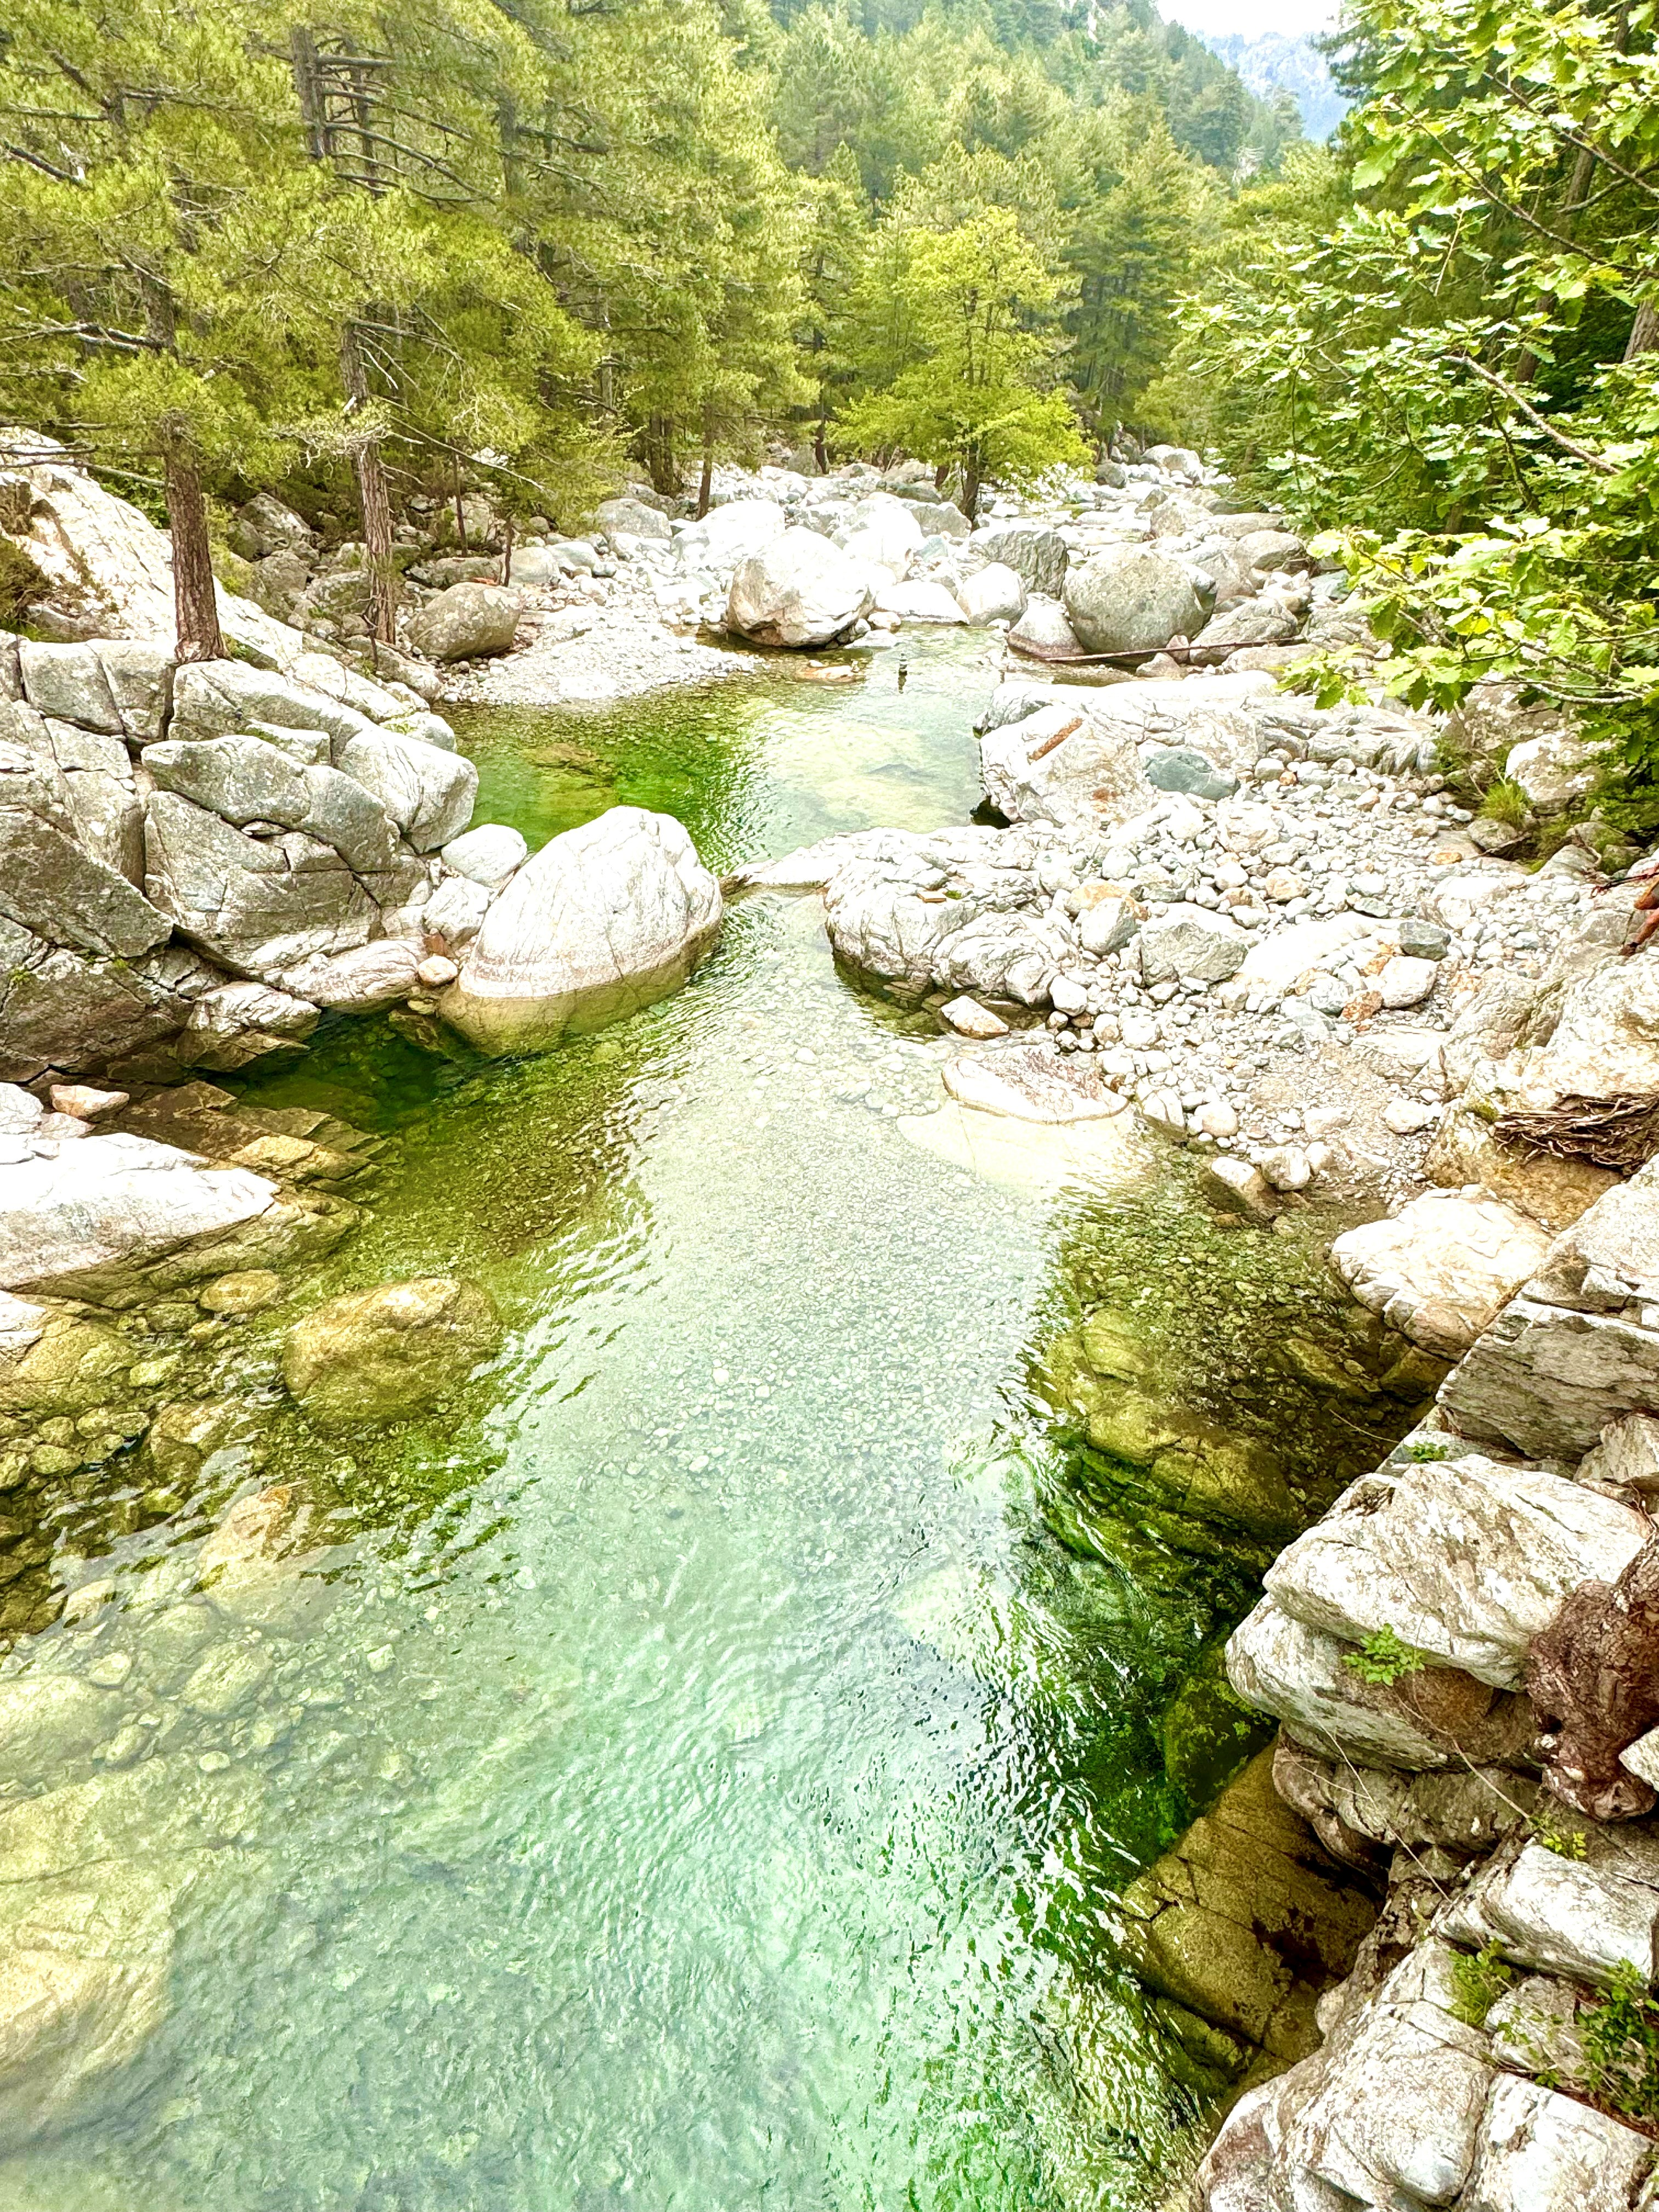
x,y
1382,1658
1449,363
973,397
1620,2038
1479,1979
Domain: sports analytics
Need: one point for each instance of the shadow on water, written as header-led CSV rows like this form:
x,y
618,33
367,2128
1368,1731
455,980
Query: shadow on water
x,y
691,1770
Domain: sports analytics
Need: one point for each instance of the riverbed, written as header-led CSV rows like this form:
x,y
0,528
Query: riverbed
x,y
701,1778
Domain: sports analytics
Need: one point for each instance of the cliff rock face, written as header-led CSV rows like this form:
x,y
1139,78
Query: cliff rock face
x,y
1464,1660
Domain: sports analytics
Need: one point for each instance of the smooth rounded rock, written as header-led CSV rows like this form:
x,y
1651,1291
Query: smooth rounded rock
x,y
1133,601
468,620
603,920
380,1355
800,590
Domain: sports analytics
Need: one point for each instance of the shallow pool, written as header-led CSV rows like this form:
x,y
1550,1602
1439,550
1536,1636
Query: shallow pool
x,y
702,1781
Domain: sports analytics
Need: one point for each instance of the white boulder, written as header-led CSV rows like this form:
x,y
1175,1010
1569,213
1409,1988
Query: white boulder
x,y
602,921
800,590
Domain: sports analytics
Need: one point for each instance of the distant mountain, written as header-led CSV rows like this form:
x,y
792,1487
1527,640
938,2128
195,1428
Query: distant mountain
x,y
1274,63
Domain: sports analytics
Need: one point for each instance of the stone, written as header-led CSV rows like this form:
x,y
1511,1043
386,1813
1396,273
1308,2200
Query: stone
x,y
921,601
1255,623
247,1292
1192,943
1555,770
114,1199
1132,601
1106,925
469,620
455,912
1065,764
359,978
631,517
1242,1921
993,594
800,590
1218,1120
381,1355
491,855
428,792
256,905
221,698
1044,632
1584,1919
1286,1166
1464,1559
1270,549
1539,2151
1602,1050
1409,1117
111,565
1240,1187
603,920
85,1100
47,1721
1554,1191
1405,982
1396,2120
883,535
69,682
433,974
1177,768
52,886
1033,551
140,680
237,1024
731,531
1033,1083
1464,1811
1423,940
244,780
1300,1674
1442,1269
969,1019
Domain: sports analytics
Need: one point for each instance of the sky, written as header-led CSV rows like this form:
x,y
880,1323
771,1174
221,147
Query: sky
x,y
1296,19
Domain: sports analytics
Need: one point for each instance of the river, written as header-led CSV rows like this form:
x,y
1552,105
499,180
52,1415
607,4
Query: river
x,y
703,1781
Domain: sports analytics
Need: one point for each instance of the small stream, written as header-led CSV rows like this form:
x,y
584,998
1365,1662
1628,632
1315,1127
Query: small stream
x,y
703,1780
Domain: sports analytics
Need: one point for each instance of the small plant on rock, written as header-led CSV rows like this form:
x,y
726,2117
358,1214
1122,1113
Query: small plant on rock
x,y
1384,1658
1620,2038
1566,1843
1478,1981
1425,1448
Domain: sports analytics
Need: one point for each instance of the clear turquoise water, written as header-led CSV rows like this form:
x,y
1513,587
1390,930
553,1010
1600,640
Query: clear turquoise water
x,y
708,1782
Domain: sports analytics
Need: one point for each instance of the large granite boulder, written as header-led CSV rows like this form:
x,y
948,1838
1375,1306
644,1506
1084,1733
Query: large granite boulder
x,y
219,698
428,792
245,779
1442,1268
882,533
993,594
1034,550
602,921
53,887
78,1011
1043,633
800,589
467,622
381,1355
1133,601
1577,1348
1066,764
631,517
1464,1559
731,532
257,905
114,1199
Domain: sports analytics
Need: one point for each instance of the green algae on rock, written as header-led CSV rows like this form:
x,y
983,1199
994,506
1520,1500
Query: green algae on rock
x,y
377,1356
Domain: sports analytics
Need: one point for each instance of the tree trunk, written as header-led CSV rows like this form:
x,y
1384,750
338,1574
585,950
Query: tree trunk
x,y
196,606
461,511
970,486
660,456
707,485
1644,332
820,450
506,551
373,500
